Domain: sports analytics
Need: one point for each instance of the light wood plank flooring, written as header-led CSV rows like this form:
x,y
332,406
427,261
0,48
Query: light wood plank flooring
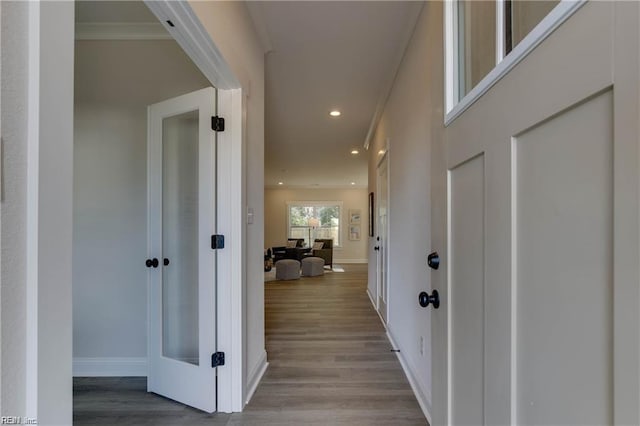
x,y
330,363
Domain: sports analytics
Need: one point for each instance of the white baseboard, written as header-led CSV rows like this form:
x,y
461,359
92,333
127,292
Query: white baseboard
x,y
255,376
349,261
105,367
373,303
424,398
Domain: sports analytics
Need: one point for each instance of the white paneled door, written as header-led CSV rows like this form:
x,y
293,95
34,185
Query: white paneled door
x,y
381,241
181,214
539,316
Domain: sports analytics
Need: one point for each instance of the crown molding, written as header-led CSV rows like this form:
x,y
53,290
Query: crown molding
x,y
121,31
318,187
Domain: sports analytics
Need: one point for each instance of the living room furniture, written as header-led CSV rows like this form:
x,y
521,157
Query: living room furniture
x,y
287,269
268,260
312,266
326,252
296,252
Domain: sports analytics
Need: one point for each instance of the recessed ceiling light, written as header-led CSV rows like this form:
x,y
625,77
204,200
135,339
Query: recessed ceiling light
x,y
353,183
280,183
335,113
355,151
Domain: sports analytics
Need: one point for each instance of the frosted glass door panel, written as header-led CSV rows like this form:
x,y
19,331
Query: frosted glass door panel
x,y
182,215
180,237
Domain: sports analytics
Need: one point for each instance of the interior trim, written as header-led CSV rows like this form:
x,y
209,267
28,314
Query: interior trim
x,y
256,376
423,397
110,367
194,39
548,25
121,31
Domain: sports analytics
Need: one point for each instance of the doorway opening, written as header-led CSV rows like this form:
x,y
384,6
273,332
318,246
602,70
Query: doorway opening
x,y
124,62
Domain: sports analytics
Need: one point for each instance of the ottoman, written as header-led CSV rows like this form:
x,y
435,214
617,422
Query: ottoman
x,y
287,269
312,266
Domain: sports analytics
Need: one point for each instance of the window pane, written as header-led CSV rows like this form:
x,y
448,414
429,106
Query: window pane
x,y
525,15
180,237
476,42
328,225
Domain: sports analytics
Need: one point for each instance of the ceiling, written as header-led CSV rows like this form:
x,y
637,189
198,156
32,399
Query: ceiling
x,y
320,56
325,55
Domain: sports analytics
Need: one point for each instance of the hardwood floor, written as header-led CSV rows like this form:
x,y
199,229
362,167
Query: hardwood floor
x,y
330,363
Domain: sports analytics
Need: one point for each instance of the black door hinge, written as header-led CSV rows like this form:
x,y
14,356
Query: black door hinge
x,y
217,124
217,359
217,242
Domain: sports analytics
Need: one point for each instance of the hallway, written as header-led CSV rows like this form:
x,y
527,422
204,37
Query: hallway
x,y
329,363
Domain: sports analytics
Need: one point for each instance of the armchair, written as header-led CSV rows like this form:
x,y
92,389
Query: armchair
x,y
326,252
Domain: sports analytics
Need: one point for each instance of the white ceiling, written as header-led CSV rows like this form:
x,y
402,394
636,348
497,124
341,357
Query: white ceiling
x,y
321,55
326,55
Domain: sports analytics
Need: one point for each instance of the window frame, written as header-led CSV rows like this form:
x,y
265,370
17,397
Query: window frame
x,y
339,204
504,63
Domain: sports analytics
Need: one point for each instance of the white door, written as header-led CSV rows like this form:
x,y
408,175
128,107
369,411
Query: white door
x,y
538,323
381,242
182,298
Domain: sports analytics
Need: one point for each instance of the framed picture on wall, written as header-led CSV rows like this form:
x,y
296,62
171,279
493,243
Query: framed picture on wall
x,y
371,214
354,216
354,232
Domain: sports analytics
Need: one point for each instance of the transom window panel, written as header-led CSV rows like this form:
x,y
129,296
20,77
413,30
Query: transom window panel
x,y
476,42
486,38
522,16
315,219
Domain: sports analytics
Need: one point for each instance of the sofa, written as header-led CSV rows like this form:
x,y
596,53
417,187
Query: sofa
x,y
295,253
326,252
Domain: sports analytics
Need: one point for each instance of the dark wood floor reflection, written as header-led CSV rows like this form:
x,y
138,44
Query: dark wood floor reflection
x,y
330,363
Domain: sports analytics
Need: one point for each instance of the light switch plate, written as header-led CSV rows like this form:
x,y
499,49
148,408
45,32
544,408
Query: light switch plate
x,y
249,215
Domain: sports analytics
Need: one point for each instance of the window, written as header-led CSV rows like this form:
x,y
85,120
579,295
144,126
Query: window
x,y
485,39
315,219
476,42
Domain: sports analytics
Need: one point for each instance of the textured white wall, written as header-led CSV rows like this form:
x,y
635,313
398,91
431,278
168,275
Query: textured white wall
x,y
115,81
412,121
13,207
231,29
54,211
276,217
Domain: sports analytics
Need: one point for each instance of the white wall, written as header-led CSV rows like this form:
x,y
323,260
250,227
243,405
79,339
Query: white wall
x,y
37,95
115,81
276,218
13,60
411,122
231,29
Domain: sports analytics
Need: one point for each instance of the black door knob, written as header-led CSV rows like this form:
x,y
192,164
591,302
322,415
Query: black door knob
x,y
376,248
165,261
433,260
152,263
424,299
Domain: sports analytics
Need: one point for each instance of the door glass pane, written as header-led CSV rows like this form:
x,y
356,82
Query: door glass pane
x,y
476,42
522,16
180,237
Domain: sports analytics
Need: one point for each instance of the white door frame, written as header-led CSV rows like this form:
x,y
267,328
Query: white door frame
x,y
49,205
382,253
197,44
